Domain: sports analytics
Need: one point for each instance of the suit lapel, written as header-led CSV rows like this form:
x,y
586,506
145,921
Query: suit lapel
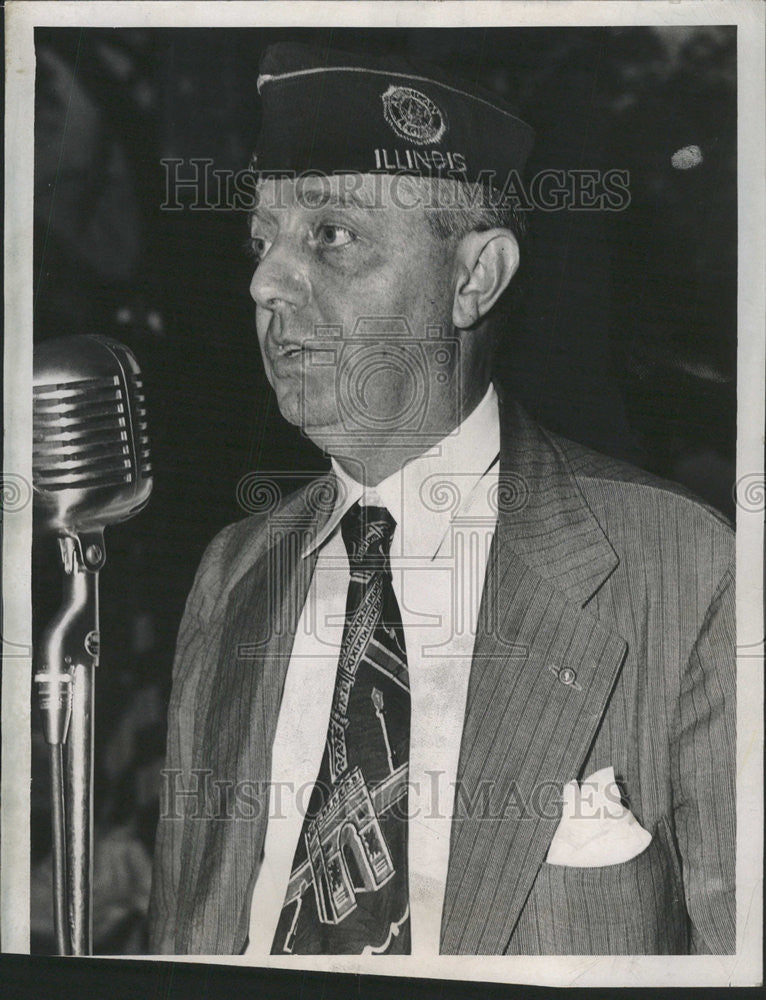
x,y
542,672
223,850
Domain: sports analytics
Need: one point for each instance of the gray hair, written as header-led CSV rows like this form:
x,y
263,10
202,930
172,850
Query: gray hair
x,y
454,209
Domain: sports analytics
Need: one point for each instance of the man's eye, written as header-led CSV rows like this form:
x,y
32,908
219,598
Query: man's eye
x,y
256,247
335,236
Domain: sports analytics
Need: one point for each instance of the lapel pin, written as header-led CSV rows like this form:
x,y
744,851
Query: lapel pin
x,y
565,675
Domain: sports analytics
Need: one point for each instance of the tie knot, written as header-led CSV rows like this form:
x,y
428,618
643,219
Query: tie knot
x,y
367,533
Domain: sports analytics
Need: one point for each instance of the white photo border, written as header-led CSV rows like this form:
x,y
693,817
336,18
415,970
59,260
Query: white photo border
x,y
743,968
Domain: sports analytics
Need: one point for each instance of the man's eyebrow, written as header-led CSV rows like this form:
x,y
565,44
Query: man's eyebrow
x,y
352,199
336,199
316,200
259,213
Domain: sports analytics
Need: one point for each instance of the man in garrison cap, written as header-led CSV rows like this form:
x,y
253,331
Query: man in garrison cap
x,y
472,691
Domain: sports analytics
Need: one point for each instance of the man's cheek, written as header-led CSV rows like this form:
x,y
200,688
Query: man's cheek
x,y
342,300
318,380
269,372
308,397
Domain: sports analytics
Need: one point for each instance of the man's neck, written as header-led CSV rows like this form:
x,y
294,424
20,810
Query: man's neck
x,y
371,464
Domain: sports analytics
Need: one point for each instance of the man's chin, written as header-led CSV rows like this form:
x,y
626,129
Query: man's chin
x,y
311,418
332,438
323,429
295,412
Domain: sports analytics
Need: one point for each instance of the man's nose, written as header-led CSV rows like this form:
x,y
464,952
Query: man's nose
x,y
280,279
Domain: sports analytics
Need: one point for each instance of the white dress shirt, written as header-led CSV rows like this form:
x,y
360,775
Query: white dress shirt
x,y
444,504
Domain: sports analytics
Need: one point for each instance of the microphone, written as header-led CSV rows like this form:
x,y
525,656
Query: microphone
x,y
90,468
90,463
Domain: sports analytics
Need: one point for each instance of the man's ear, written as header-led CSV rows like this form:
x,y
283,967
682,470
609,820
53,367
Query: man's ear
x,y
485,263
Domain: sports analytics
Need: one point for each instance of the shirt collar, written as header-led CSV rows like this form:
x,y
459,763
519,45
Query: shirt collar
x,y
429,491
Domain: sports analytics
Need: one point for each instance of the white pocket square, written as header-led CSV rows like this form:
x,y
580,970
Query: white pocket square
x,y
595,828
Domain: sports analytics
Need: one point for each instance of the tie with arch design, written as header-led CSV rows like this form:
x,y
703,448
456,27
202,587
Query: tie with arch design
x,y
348,889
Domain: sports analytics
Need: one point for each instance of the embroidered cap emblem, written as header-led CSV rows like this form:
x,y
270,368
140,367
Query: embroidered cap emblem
x,y
413,116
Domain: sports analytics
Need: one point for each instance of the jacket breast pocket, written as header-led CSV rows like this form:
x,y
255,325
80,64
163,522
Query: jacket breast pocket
x,y
633,908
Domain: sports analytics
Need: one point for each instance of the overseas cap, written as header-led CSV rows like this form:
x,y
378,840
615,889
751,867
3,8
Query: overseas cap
x,y
334,112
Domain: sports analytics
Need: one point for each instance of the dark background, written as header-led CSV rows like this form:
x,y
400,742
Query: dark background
x,y
623,335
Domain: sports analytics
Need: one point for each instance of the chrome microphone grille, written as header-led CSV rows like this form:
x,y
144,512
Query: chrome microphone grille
x,y
143,463
80,435
91,461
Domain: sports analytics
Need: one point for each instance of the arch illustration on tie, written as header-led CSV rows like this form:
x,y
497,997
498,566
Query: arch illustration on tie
x,y
347,825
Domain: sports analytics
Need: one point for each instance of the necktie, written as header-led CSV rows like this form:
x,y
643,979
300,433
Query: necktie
x,y
348,890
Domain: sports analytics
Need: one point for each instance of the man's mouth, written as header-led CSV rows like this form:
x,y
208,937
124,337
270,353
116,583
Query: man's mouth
x,y
289,350
286,359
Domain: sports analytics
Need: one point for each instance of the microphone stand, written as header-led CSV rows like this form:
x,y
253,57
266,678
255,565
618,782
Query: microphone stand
x,y
65,673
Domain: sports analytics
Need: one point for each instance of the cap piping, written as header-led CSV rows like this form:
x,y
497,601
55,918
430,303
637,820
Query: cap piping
x,y
276,78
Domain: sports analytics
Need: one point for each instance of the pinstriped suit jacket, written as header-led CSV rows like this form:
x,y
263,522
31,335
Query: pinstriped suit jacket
x,y
595,566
